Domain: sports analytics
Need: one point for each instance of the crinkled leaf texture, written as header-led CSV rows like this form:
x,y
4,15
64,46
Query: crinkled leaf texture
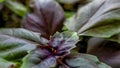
x,y
100,18
16,43
43,58
46,19
106,51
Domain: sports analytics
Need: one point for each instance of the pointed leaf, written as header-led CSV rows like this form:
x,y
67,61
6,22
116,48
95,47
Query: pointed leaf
x,y
84,61
99,18
64,41
47,18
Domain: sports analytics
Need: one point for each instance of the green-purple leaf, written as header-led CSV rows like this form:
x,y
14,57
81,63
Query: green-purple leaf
x,y
47,18
16,43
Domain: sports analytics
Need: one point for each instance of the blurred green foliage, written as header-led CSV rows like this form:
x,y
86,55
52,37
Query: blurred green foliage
x,y
17,7
1,1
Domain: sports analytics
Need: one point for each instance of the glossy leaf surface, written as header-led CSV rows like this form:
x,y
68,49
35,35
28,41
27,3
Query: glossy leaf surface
x,y
100,18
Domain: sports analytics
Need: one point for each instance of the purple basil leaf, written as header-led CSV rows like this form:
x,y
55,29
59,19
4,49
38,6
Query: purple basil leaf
x,y
39,58
64,41
107,51
47,18
84,61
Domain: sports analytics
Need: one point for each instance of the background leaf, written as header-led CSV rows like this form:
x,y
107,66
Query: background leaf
x,y
46,19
